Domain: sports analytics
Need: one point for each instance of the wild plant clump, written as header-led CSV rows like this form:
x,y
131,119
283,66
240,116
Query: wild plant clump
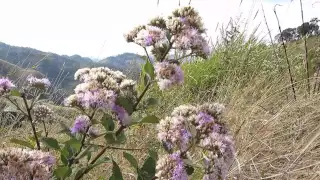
x,y
21,164
109,103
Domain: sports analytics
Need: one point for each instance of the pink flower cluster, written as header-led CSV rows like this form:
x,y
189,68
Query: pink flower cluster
x,y
5,86
100,88
199,125
39,83
151,36
182,31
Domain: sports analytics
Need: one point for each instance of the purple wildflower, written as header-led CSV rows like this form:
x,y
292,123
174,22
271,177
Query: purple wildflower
x,y
204,121
99,98
80,125
173,132
148,40
122,115
168,75
179,172
5,85
150,36
42,83
171,167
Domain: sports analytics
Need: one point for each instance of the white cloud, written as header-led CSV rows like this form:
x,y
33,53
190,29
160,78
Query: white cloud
x,y
83,27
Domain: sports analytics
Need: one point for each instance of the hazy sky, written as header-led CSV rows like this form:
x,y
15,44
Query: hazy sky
x,y
95,28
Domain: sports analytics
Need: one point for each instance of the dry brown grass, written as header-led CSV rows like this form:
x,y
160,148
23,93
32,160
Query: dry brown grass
x,y
276,137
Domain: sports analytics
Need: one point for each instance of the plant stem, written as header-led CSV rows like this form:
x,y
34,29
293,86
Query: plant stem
x,y
306,64
167,51
145,50
286,55
141,96
118,148
31,121
45,129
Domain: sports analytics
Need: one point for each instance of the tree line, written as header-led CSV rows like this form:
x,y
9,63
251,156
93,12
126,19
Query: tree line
x,y
310,28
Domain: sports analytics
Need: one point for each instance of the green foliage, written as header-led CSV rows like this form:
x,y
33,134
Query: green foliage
x,y
22,143
52,143
116,172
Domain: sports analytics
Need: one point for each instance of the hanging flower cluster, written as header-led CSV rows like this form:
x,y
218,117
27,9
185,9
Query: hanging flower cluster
x,y
21,164
182,31
190,126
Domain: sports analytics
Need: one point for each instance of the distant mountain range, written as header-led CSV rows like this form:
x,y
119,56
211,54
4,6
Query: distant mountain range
x,y
61,68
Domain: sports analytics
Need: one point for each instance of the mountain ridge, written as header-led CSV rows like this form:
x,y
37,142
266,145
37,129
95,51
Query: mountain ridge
x,y
63,67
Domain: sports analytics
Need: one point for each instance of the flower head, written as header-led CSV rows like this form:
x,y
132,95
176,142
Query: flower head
x,y
80,125
122,115
171,167
100,98
151,36
5,85
168,75
39,83
99,88
42,112
173,131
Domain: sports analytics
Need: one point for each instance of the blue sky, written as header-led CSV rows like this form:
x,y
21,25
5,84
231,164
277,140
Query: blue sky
x,y
95,28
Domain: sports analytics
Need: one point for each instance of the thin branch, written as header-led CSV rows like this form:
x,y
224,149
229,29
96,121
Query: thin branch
x,y
118,148
286,54
45,129
31,121
141,96
145,50
306,64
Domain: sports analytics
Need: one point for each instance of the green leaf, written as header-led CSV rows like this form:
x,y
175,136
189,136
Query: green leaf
x,y
107,122
22,143
74,143
126,104
148,169
189,170
52,143
111,138
150,119
146,79
149,69
152,102
131,159
15,93
64,159
62,172
116,172
153,154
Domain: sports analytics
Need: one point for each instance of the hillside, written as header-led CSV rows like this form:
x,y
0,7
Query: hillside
x,y
63,67
15,72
